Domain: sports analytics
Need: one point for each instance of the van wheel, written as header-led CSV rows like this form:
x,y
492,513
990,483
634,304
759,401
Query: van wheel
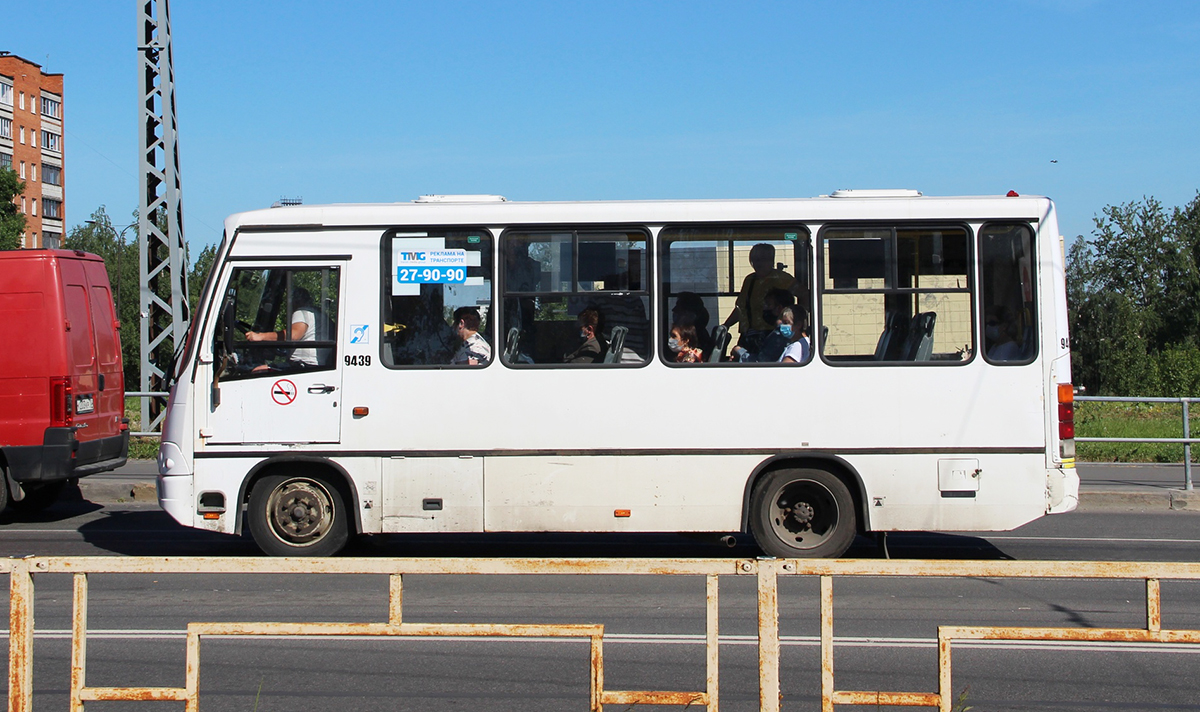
x,y
3,488
38,497
801,513
298,515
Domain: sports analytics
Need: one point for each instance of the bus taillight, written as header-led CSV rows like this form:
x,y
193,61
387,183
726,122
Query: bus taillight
x,y
62,403
1066,420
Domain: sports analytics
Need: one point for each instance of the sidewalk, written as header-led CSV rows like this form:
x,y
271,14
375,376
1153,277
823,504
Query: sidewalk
x,y
1102,485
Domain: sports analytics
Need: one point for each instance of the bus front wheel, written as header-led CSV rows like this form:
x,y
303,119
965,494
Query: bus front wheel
x,y
802,513
298,515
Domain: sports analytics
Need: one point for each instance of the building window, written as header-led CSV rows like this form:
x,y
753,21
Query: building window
x,y
52,240
51,108
51,208
22,172
896,294
22,100
6,93
5,128
22,134
33,172
6,161
33,204
51,141
33,138
51,175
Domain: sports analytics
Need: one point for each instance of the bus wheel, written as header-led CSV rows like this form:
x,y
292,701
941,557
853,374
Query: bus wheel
x,y
297,515
38,497
802,513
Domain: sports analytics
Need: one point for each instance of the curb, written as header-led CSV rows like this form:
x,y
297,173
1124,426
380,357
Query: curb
x,y
1156,499
117,492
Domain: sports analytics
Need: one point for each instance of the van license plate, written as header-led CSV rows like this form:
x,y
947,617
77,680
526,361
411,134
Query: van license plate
x,y
85,404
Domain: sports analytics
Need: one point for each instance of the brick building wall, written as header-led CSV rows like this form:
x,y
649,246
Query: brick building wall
x,y
31,140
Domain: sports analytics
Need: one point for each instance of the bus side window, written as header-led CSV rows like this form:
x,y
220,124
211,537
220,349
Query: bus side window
x,y
1009,301
897,294
720,281
437,298
576,297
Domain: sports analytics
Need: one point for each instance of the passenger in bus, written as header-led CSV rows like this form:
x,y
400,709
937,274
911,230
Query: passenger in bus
x,y
689,305
798,348
593,348
753,327
1002,333
776,341
303,327
475,350
683,341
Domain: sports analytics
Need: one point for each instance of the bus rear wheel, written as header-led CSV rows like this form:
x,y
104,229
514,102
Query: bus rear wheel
x,y
802,513
298,515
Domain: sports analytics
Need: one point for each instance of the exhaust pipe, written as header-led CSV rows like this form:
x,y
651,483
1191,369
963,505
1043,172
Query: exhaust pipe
x,y
729,540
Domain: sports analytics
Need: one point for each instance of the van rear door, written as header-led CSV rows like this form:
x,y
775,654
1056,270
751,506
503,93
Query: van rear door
x,y
81,347
110,387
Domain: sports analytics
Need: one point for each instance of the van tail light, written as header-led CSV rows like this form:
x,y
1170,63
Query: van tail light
x,y
1066,421
62,403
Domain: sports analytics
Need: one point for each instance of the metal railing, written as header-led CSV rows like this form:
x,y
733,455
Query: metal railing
x,y
146,394
767,571
1187,440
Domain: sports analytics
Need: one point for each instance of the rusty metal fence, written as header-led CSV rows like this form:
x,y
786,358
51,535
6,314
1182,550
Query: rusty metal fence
x,y
22,573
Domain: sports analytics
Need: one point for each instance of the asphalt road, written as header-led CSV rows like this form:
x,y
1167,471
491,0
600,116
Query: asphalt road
x,y
885,628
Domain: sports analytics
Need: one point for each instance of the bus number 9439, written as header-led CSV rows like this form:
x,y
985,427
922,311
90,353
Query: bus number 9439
x,y
359,360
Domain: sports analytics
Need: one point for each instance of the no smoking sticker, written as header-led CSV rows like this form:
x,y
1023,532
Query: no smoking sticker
x,y
283,391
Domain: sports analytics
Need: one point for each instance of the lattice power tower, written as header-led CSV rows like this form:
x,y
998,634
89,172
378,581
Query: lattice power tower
x,y
163,253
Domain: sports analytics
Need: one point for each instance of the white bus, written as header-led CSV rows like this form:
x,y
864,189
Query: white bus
x,y
472,364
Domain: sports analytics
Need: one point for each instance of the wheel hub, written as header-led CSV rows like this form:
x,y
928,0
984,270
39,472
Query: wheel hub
x,y
299,511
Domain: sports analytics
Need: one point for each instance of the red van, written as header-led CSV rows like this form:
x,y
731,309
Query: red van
x,y
62,390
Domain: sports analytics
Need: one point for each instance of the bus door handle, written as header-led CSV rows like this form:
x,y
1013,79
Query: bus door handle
x,y
321,388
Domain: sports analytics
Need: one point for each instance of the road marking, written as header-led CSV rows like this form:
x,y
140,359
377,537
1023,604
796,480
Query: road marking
x,y
804,641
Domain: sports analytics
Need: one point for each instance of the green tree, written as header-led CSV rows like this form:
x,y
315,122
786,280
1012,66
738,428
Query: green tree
x,y
1133,294
12,222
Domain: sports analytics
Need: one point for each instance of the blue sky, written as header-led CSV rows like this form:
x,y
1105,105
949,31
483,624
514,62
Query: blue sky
x,y
385,101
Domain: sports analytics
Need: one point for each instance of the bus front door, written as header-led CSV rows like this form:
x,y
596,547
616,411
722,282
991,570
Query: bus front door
x,y
276,376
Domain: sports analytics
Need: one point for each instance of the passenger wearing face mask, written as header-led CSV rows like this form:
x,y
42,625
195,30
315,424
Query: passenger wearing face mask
x,y
593,347
683,344
775,342
797,348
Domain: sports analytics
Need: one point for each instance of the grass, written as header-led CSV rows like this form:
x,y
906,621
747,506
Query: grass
x,y
139,448
1133,420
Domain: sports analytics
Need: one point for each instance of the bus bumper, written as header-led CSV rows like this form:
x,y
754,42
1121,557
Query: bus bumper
x,y
174,484
1062,491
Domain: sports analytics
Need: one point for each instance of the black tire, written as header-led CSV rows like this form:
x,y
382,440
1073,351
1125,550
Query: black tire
x,y
38,497
802,514
298,515
3,488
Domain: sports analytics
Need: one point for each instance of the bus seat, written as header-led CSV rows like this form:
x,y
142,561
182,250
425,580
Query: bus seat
x,y
511,344
919,344
720,336
892,335
616,342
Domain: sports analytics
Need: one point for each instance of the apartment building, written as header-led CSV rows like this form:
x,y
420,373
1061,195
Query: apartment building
x,y
31,143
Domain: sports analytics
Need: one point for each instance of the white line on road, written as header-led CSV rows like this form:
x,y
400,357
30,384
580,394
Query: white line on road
x,y
806,641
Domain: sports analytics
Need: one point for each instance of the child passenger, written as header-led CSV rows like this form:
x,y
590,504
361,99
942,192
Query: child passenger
x,y
685,344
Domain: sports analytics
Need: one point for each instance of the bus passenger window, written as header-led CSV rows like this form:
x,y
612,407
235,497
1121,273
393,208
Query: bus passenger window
x,y
576,297
437,298
744,290
276,321
1010,311
896,294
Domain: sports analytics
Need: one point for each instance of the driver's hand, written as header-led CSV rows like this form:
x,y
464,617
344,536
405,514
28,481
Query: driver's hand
x,y
254,336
